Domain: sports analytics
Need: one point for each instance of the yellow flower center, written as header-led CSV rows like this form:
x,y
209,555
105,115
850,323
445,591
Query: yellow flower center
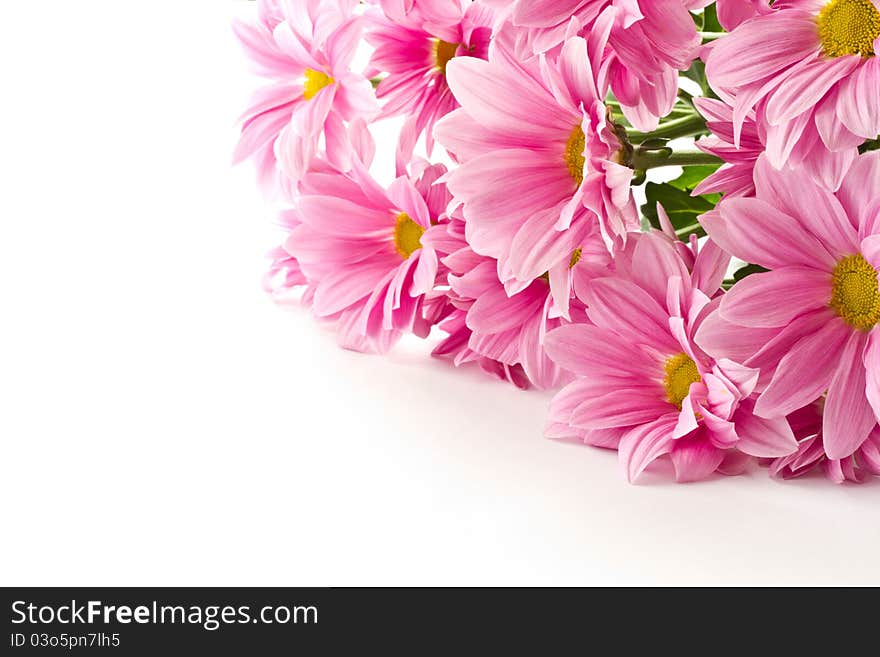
x,y
575,257
574,154
407,235
443,52
315,81
855,293
681,372
849,27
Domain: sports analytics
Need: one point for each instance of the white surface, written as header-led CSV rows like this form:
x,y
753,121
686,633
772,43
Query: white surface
x,y
162,422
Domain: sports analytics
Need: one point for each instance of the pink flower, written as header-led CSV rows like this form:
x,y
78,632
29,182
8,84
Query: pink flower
x,y
284,274
644,387
456,348
811,323
807,425
735,178
644,45
540,162
305,49
413,47
505,332
808,69
360,247
731,13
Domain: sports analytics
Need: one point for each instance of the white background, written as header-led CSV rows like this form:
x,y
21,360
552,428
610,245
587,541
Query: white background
x,y
162,422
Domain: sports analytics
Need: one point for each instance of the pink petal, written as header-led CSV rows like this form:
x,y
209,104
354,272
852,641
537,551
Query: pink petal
x,y
871,360
749,55
848,417
593,351
775,298
695,459
757,232
629,311
815,209
642,445
802,90
805,372
621,408
857,102
761,437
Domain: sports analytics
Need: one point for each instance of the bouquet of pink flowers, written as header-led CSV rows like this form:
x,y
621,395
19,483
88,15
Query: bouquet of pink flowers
x,y
724,318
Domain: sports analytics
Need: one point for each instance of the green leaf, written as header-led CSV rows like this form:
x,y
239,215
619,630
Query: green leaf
x,y
710,20
697,73
748,270
693,176
871,145
682,208
741,273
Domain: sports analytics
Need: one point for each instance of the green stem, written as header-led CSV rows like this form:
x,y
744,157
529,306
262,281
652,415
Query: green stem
x,y
643,161
711,36
686,126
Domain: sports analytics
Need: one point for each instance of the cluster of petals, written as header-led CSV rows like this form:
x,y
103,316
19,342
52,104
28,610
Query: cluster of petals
x,y
413,44
487,325
305,51
360,248
508,229
540,128
808,70
644,387
647,44
811,324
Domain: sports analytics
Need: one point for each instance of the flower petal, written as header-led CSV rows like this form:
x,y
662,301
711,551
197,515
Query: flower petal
x,y
848,417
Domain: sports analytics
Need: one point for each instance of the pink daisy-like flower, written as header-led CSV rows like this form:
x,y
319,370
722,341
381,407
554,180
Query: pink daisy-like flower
x,y
811,323
284,274
305,49
735,178
540,162
456,349
644,387
487,325
413,45
809,69
648,44
360,248
807,426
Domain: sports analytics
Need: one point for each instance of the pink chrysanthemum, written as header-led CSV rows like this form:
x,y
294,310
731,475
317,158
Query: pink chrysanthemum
x,y
306,54
812,323
360,248
487,325
645,388
807,426
413,45
735,178
647,44
284,274
809,70
540,162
